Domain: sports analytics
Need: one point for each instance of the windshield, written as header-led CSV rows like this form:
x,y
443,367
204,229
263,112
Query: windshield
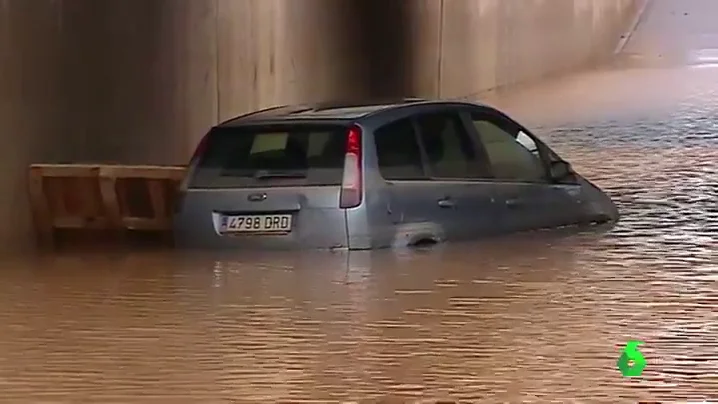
x,y
292,155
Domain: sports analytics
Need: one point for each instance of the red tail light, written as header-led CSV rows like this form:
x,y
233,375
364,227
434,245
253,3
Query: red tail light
x,y
351,194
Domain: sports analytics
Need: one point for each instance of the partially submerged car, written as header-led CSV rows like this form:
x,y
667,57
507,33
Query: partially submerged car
x,y
402,173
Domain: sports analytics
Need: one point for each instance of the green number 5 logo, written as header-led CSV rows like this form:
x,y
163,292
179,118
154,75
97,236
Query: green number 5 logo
x,y
631,362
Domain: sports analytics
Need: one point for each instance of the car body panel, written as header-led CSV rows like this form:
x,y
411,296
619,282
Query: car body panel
x,y
537,206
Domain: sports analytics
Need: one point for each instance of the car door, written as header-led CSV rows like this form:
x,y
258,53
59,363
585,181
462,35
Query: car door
x,y
406,206
519,163
459,174
428,165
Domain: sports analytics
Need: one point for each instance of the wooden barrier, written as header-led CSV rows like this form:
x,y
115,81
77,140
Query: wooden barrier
x,y
110,198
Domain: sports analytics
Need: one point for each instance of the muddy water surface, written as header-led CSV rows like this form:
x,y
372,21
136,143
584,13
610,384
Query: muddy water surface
x,y
537,318
523,319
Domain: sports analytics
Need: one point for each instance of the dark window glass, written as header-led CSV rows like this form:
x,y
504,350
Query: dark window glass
x,y
398,151
513,154
449,149
272,156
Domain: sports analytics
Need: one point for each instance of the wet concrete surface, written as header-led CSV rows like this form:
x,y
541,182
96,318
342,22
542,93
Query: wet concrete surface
x,y
535,318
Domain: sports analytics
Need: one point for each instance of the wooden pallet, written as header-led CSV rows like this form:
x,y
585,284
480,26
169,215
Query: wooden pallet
x,y
109,198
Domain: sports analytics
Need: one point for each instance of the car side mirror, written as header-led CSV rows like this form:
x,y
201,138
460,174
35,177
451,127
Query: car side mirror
x,y
560,170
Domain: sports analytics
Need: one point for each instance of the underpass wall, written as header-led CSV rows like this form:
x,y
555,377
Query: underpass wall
x,y
466,47
33,106
140,81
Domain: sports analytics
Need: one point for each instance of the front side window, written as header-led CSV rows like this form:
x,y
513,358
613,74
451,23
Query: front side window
x,y
513,154
398,151
449,149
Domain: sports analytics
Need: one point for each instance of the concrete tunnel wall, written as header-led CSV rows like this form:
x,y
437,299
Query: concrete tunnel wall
x,y
140,81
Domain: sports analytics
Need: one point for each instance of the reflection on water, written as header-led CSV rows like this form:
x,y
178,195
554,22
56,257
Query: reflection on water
x,y
479,322
536,318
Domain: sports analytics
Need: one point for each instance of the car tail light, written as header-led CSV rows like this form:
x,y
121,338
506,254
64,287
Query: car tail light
x,y
351,193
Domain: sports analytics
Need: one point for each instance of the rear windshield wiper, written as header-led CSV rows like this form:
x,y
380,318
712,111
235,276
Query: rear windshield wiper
x,y
264,174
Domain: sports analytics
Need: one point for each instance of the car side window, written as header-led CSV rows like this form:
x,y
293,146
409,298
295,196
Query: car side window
x,y
513,154
449,150
398,151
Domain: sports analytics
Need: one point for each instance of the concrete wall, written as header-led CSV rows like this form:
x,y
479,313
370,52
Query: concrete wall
x,y
465,47
139,81
32,125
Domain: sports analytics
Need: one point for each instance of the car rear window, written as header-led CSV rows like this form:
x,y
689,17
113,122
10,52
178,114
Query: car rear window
x,y
263,156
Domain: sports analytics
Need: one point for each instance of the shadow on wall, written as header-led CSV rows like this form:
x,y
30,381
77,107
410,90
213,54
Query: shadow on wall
x,y
377,48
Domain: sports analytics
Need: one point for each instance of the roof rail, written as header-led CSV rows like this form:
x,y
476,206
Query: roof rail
x,y
290,109
321,106
415,99
349,104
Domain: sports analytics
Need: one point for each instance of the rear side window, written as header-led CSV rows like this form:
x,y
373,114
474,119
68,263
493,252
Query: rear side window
x,y
263,156
449,149
398,151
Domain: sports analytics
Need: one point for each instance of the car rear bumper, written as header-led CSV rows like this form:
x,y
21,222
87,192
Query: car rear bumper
x,y
191,234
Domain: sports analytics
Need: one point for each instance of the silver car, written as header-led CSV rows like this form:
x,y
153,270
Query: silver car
x,y
370,176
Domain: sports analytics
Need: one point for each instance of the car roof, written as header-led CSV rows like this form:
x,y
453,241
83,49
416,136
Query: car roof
x,y
333,111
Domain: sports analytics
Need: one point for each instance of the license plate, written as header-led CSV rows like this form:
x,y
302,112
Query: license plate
x,y
257,224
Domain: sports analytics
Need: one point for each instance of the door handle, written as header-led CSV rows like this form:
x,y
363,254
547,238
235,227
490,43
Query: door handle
x,y
446,203
514,203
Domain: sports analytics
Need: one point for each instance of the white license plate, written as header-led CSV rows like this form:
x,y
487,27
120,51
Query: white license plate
x,y
257,224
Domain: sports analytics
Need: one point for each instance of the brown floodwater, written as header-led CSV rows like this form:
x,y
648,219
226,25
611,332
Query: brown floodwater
x,y
536,318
